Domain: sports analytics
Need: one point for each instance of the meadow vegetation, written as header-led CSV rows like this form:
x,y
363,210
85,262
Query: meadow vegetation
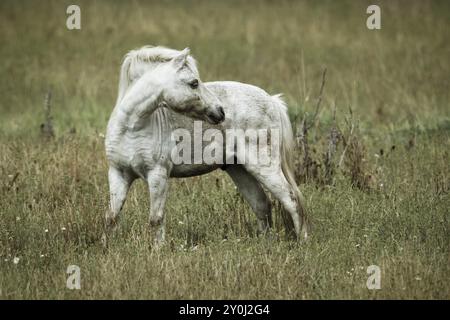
x,y
375,178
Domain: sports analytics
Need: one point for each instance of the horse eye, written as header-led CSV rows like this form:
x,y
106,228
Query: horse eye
x,y
194,84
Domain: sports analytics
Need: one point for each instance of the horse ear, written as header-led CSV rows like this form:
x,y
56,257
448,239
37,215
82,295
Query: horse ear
x,y
180,60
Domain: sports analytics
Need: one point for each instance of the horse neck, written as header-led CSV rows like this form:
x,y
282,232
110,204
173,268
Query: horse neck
x,y
138,112
160,123
158,120
138,103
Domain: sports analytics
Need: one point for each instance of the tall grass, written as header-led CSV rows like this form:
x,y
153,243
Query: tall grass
x,y
53,191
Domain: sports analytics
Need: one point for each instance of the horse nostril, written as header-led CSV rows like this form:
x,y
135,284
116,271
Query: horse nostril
x,y
222,113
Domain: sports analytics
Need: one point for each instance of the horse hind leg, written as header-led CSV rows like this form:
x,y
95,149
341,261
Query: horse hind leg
x,y
252,191
283,191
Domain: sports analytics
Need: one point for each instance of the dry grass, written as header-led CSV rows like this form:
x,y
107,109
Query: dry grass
x,y
385,203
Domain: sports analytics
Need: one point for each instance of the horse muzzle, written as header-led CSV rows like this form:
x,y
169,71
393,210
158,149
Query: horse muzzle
x,y
216,115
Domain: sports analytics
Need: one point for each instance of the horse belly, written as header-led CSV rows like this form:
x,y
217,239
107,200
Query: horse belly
x,y
190,170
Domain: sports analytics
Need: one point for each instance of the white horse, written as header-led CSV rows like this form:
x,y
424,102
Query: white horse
x,y
159,91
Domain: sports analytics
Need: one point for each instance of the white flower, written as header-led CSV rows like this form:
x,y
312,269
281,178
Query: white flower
x,y
46,230
63,229
42,255
16,260
17,218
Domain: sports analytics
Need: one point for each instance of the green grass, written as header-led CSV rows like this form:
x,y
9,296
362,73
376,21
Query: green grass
x,y
396,81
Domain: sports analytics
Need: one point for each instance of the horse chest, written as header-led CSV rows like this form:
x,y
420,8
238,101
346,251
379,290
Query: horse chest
x,y
137,152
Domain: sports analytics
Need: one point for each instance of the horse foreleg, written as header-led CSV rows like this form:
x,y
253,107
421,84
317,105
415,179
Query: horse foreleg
x,y
158,185
119,184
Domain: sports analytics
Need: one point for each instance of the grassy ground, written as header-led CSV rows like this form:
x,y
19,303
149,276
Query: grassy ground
x,y
54,193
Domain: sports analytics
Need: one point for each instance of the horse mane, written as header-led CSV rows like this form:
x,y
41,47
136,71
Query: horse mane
x,y
138,61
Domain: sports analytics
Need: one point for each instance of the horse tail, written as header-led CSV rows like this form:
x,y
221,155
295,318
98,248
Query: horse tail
x,y
287,160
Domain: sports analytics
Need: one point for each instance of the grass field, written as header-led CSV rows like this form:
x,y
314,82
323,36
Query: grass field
x,y
53,192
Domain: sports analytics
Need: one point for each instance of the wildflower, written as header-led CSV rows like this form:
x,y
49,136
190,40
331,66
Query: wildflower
x,y
16,260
